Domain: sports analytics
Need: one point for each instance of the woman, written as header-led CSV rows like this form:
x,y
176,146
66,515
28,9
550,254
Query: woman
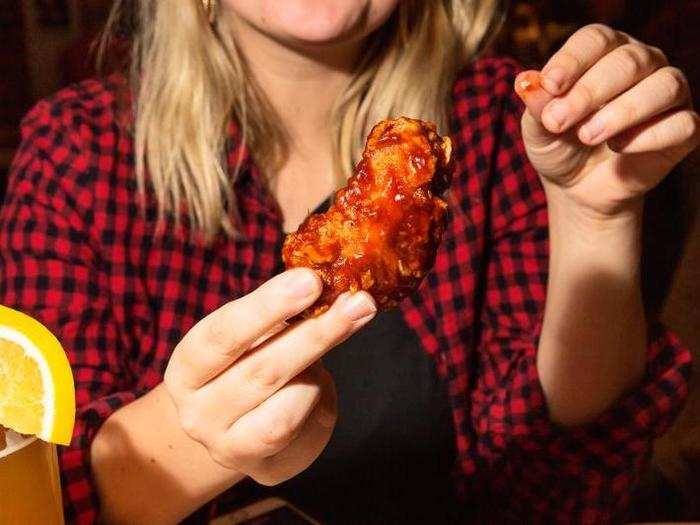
x,y
144,220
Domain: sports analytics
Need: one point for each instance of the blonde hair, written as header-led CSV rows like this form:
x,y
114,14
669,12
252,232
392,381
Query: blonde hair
x,y
190,80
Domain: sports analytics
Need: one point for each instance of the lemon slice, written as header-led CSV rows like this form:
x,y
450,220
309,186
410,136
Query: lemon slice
x,y
37,395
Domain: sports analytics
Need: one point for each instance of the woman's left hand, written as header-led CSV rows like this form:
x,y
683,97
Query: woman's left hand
x,y
606,120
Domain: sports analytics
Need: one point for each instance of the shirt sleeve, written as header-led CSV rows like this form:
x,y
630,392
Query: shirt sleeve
x,y
528,465
50,270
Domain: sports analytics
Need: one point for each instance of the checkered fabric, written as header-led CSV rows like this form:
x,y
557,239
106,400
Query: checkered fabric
x,y
120,290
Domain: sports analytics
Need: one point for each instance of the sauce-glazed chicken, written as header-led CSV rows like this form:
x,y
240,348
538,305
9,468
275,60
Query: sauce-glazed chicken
x,y
382,231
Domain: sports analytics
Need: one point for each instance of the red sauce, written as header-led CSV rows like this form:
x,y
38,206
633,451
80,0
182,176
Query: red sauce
x,y
527,83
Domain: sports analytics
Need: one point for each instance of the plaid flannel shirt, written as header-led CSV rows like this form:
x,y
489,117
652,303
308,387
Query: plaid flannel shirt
x,y
120,290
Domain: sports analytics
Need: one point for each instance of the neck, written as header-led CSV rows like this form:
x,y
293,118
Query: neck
x,y
301,84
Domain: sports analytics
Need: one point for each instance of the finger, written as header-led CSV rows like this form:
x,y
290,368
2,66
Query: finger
x,y
224,335
665,89
276,329
615,73
304,450
528,86
271,426
262,372
583,49
675,133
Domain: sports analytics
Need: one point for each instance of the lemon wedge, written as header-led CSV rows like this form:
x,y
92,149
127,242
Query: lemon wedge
x,y
37,394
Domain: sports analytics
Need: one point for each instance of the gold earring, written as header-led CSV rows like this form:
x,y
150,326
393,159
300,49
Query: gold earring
x,y
209,10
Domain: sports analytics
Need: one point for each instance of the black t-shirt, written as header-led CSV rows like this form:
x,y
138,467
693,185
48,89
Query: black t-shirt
x,y
392,453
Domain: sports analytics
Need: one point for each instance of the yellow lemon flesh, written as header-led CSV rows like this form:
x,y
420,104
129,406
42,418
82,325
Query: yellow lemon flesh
x,y
37,395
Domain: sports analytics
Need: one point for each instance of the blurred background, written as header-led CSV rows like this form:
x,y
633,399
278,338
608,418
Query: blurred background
x,y
46,44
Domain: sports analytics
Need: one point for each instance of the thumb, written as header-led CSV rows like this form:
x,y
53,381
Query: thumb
x,y
529,89
551,154
535,97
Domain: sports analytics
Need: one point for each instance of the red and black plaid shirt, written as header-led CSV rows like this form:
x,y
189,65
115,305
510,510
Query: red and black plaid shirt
x,y
119,291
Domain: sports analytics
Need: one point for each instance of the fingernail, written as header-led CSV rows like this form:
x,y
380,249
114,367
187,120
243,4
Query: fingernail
x,y
357,306
593,129
556,113
303,284
553,80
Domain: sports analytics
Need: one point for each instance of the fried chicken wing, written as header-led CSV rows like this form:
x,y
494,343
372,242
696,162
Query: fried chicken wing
x,y
382,231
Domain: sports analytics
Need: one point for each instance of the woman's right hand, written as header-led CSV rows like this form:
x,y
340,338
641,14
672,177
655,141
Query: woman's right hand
x,y
252,389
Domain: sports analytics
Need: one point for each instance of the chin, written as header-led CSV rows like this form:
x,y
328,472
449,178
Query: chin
x,y
314,21
317,21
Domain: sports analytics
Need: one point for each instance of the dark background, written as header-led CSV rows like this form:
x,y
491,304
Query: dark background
x,y
45,44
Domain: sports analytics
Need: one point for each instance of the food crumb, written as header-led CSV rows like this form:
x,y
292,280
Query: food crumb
x,y
527,83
